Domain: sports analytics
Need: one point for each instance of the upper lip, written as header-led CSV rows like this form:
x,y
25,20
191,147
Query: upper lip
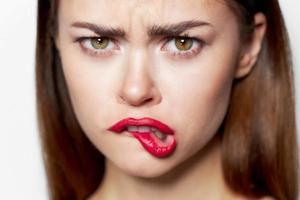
x,y
124,123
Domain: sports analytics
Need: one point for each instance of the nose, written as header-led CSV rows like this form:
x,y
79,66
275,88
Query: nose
x,y
138,88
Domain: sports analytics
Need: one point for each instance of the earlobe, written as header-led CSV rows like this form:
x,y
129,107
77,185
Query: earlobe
x,y
251,49
56,42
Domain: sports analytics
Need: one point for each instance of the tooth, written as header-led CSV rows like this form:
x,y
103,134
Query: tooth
x,y
160,135
132,128
144,129
153,129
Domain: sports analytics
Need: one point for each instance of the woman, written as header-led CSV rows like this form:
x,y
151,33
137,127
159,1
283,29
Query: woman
x,y
166,100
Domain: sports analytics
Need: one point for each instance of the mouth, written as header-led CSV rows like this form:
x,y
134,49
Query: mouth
x,y
156,137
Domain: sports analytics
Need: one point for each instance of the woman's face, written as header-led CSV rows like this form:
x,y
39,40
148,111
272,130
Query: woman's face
x,y
138,68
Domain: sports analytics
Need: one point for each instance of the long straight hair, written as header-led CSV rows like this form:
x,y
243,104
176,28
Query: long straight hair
x,y
259,144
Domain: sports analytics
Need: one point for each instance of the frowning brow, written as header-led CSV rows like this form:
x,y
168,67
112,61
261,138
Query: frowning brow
x,y
152,31
100,30
175,29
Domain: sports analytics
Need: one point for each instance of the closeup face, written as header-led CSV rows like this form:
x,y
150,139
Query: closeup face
x,y
171,60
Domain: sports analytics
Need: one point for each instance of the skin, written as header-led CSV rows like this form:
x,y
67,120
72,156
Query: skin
x,y
138,78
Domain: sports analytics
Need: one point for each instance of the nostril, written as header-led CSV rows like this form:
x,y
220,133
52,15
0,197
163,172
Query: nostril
x,y
148,100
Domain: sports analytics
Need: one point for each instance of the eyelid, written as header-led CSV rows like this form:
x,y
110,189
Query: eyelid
x,y
82,39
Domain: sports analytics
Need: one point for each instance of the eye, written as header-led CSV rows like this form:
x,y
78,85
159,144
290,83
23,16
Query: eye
x,y
99,43
98,46
183,46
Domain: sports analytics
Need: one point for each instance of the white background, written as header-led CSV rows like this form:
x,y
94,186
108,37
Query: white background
x,y
21,171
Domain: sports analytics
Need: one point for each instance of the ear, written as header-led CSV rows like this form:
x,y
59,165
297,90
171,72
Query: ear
x,y
57,42
250,50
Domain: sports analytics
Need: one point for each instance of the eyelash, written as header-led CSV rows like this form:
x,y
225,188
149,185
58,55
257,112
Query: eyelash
x,y
85,44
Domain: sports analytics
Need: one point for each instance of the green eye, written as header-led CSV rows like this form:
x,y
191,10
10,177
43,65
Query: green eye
x,y
183,44
99,42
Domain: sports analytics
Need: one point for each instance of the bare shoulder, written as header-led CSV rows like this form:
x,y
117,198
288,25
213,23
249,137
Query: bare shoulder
x,y
242,197
263,198
267,198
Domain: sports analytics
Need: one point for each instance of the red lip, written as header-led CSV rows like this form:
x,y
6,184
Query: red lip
x,y
148,140
122,125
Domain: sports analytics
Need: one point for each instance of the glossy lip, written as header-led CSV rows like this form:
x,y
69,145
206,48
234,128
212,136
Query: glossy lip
x,y
123,124
150,143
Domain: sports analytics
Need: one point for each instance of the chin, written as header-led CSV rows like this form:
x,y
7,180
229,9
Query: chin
x,y
147,172
147,167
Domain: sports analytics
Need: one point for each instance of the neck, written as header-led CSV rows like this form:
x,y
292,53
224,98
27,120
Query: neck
x,y
200,177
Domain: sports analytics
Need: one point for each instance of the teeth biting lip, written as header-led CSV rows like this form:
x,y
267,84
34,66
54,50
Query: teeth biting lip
x,y
153,124
146,129
156,137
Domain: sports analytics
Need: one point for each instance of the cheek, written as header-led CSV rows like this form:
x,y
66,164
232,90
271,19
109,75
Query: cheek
x,y
89,90
200,100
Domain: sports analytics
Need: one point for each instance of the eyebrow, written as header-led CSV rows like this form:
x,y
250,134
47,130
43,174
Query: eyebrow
x,y
155,30
175,29
100,30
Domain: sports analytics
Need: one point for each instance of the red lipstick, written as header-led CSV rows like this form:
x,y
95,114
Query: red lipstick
x,y
156,137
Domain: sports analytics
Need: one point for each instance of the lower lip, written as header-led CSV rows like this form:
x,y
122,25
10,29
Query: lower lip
x,y
154,146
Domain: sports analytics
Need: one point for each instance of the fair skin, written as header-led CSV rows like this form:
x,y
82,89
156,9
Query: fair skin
x,y
142,75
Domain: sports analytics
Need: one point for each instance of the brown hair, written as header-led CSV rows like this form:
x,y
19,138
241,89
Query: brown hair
x,y
259,143
259,132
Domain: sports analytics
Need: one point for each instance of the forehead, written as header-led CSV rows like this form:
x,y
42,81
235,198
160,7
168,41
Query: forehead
x,y
127,13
